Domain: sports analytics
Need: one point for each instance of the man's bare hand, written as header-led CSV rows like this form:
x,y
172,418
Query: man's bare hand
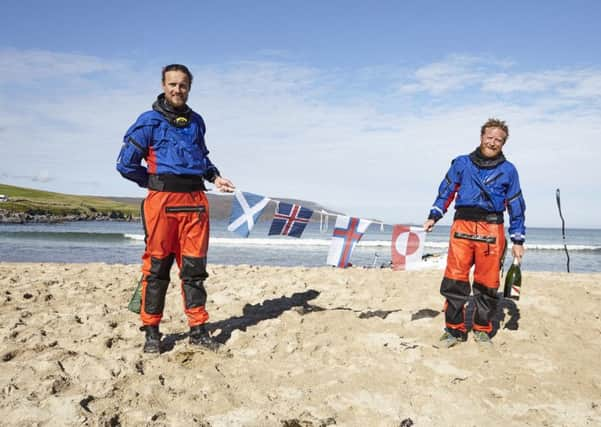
x,y
429,225
518,252
224,185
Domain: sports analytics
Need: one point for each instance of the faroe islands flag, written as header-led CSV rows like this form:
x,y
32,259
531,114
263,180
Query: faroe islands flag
x,y
347,233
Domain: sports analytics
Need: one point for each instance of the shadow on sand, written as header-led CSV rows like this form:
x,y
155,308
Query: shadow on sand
x,y
507,314
252,314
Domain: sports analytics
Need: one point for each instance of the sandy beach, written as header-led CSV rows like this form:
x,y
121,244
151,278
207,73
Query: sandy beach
x,y
302,347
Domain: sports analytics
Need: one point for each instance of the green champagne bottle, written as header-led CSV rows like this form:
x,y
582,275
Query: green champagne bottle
x,y
513,281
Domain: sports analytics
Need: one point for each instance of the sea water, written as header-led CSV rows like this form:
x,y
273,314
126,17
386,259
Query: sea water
x,y
123,242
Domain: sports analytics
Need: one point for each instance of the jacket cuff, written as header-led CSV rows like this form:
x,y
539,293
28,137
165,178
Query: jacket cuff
x,y
435,215
517,238
211,175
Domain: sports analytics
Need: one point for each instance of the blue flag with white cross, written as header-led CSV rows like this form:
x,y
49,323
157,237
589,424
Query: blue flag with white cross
x,y
246,210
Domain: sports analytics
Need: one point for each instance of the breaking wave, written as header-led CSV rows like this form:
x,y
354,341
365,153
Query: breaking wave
x,y
274,241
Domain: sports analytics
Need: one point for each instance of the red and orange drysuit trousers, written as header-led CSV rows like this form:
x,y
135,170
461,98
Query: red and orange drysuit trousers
x,y
176,226
482,245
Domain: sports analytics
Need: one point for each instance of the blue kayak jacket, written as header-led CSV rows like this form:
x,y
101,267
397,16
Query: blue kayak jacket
x,y
166,148
492,189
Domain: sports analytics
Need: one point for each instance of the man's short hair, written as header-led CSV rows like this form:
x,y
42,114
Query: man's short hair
x,y
177,67
495,123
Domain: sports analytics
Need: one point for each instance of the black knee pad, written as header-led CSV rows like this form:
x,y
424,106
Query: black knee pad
x,y
456,292
160,267
157,283
193,274
486,301
193,268
486,292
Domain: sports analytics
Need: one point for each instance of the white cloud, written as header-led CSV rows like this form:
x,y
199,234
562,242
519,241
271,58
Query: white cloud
x,y
456,72
16,65
565,83
586,85
487,76
525,82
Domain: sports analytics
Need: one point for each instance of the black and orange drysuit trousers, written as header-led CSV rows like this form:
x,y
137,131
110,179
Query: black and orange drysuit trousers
x,y
482,245
176,226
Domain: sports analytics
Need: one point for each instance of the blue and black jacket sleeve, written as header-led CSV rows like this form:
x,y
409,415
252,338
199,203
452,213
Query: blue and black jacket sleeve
x,y
135,149
446,191
516,208
211,171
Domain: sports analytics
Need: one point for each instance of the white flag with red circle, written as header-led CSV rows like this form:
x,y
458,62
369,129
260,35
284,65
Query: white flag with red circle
x,y
407,247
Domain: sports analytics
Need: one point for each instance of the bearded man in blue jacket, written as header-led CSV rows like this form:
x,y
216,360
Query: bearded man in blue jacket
x,y
175,213
483,184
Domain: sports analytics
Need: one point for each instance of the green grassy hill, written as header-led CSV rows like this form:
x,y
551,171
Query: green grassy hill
x,y
37,202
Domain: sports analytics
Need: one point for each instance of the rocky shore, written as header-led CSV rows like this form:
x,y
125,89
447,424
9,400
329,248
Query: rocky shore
x,y
8,217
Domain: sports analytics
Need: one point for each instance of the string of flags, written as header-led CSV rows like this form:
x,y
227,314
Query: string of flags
x,y
289,219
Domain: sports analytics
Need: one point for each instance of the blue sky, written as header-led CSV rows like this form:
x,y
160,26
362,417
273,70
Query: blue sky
x,y
359,106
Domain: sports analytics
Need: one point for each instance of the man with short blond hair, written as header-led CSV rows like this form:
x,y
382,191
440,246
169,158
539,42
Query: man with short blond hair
x,y
495,123
483,184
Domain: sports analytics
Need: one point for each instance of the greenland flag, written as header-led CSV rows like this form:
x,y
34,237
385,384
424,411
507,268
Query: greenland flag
x,y
407,247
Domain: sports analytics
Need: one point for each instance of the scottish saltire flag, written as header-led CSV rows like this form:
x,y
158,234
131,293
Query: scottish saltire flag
x,y
407,247
347,232
290,220
246,209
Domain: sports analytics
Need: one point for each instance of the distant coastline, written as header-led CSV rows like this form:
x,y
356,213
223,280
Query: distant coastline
x,y
24,206
8,217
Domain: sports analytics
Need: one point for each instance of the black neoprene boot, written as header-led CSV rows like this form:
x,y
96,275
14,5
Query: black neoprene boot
x,y
200,336
153,339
